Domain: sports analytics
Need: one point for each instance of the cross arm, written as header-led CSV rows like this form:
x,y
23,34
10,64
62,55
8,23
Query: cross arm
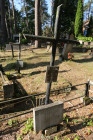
x,y
50,39
43,38
69,41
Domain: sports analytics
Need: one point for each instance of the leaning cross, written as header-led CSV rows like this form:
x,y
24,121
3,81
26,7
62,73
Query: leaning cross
x,y
54,41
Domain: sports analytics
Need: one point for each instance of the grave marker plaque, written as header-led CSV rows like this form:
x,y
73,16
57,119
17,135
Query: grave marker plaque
x,y
51,74
20,63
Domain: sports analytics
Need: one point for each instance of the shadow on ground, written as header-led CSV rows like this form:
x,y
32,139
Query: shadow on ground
x,y
23,104
86,60
29,65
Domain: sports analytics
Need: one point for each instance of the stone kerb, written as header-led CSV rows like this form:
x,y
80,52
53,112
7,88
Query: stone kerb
x,y
16,47
47,116
8,88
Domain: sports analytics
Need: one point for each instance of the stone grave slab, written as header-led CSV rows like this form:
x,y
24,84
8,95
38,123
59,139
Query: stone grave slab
x,y
47,116
51,74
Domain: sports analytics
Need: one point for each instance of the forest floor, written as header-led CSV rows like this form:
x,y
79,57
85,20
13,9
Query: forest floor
x,y
78,119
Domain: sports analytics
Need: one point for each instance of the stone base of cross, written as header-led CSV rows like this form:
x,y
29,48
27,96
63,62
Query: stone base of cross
x,y
54,40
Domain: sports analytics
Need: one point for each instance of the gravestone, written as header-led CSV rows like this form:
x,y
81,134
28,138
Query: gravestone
x,y
67,48
47,116
51,74
8,90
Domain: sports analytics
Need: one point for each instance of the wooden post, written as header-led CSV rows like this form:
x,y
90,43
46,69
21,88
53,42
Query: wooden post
x,y
19,70
19,57
56,36
19,52
12,50
37,22
87,89
86,99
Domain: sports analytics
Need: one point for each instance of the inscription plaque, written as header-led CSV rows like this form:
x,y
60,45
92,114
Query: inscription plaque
x,y
20,63
51,74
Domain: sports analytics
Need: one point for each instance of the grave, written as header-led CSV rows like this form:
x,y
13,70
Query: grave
x,y
47,116
7,87
67,48
54,41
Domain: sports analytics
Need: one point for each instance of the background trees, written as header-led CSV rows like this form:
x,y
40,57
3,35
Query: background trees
x,y
23,21
2,22
90,29
13,21
79,19
68,14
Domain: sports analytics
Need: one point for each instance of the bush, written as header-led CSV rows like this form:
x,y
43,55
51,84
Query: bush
x,y
24,41
85,38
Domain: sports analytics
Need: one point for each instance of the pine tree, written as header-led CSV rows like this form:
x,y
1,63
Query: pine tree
x,y
79,19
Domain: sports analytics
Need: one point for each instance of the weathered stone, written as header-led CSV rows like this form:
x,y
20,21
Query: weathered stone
x,y
67,48
50,130
47,116
8,90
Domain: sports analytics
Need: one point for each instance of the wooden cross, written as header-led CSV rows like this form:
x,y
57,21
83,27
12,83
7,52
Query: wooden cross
x,y
54,41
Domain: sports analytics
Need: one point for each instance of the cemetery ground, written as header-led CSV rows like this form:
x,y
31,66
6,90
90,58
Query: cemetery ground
x,y
78,119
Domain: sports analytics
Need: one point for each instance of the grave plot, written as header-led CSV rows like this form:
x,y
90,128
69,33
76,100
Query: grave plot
x,y
75,122
51,79
6,87
72,71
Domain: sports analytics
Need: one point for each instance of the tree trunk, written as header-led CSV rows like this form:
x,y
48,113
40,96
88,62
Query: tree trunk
x,y
7,28
51,14
37,22
3,26
10,22
13,9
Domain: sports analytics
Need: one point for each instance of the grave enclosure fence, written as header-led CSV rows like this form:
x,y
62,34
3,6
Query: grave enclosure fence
x,y
39,102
